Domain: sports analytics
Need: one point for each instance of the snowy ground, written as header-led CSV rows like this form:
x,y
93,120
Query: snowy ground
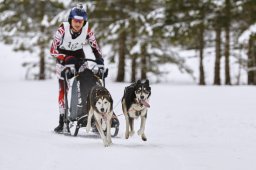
x,y
188,128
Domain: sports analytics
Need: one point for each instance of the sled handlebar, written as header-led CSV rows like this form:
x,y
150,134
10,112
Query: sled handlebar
x,y
98,69
101,69
88,59
99,66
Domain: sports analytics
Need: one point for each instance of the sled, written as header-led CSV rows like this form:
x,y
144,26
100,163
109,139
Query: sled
x,y
77,112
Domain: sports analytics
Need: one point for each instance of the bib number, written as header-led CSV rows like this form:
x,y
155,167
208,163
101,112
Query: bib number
x,y
72,46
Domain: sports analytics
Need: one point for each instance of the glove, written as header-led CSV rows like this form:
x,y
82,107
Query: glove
x,y
106,73
103,73
100,61
70,60
60,57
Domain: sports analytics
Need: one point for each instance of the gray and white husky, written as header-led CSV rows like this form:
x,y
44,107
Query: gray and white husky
x,y
100,105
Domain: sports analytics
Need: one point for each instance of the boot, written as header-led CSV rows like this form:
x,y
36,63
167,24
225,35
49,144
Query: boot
x,y
59,128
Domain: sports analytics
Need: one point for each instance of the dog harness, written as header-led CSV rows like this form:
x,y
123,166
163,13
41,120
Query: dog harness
x,y
137,111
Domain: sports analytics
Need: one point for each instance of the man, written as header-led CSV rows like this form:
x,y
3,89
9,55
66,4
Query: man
x,y
67,47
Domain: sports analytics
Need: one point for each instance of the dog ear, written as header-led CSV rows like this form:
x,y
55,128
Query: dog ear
x,y
138,82
147,82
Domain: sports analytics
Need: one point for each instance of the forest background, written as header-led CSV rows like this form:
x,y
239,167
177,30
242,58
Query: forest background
x,y
142,38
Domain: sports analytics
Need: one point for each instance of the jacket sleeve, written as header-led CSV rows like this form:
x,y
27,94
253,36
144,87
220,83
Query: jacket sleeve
x,y
93,43
58,37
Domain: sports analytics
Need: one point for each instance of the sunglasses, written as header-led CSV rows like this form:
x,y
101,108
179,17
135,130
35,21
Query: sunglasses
x,y
78,21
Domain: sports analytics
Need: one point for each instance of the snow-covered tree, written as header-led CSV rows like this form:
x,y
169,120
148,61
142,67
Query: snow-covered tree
x,y
134,31
187,22
247,36
29,24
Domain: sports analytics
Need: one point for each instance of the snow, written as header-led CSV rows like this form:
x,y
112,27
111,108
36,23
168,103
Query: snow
x,y
245,36
218,2
65,2
189,127
45,21
6,14
157,14
136,48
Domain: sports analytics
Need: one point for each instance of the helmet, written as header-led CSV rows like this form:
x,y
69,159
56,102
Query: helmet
x,y
78,12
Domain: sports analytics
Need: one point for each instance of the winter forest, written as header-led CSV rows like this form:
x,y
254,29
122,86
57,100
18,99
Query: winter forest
x,y
200,59
144,38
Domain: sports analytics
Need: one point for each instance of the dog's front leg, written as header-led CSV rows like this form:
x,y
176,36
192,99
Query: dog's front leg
x,y
102,135
142,128
127,127
131,122
109,128
126,119
88,126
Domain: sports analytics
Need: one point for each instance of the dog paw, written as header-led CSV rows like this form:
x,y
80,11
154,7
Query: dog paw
x,y
143,137
140,132
132,133
109,141
88,129
106,143
126,135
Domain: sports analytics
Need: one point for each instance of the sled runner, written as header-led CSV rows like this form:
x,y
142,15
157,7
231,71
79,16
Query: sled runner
x,y
76,113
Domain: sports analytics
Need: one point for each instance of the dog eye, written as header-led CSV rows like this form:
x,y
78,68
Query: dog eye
x,y
147,92
138,91
105,102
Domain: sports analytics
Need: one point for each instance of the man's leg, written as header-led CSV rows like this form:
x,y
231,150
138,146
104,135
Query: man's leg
x,y
59,128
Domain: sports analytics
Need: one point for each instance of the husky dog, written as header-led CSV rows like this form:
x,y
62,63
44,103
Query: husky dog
x,y
135,104
100,105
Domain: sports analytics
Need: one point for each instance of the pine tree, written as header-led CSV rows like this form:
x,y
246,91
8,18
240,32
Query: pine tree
x,y
227,26
217,24
217,79
145,45
29,26
246,17
189,22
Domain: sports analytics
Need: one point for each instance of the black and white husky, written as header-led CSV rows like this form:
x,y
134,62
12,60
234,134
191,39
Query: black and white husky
x,y
135,104
100,105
